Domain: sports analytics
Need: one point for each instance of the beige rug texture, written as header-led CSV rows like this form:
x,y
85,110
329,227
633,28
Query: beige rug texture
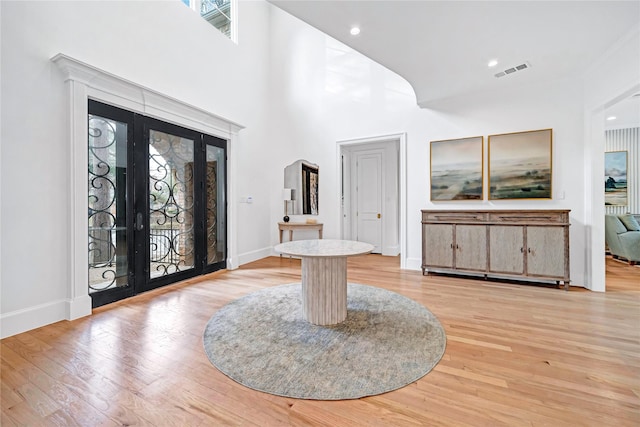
x,y
263,342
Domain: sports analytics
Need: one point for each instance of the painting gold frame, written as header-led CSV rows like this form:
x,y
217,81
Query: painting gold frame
x,y
521,165
457,169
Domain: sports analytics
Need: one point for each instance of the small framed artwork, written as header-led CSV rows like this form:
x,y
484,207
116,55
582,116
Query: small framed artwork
x,y
457,169
520,165
615,178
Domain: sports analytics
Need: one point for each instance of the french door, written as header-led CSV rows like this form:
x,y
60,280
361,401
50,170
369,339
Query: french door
x,y
157,205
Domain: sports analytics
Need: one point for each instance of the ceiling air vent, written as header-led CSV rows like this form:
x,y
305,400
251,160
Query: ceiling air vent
x,y
513,69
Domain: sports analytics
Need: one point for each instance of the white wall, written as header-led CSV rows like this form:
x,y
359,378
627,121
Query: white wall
x,y
324,92
161,45
555,105
329,93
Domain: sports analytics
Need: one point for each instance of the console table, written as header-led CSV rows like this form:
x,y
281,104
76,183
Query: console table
x,y
527,244
324,276
282,226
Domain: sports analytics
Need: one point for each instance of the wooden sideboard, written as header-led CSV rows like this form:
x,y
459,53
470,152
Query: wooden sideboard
x,y
516,244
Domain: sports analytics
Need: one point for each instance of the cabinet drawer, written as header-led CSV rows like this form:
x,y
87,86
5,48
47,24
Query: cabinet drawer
x,y
534,217
453,217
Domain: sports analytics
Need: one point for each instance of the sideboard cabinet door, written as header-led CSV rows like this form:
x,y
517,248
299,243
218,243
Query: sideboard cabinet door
x,y
437,245
471,247
506,249
545,251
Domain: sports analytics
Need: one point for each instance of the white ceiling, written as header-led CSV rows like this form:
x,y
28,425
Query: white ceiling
x,y
442,47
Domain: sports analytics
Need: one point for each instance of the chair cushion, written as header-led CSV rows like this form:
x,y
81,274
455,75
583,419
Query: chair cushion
x,y
630,222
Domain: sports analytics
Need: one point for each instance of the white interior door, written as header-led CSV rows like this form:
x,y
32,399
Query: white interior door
x,y
369,198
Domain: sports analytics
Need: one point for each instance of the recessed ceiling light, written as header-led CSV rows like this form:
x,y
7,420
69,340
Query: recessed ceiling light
x,y
611,118
492,63
355,31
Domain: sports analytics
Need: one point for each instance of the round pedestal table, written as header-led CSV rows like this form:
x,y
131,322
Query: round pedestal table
x,y
324,276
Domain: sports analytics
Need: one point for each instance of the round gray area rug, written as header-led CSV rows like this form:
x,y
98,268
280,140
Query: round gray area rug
x,y
262,341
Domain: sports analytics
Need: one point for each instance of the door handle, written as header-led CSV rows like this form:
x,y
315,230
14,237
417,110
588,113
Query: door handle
x,y
139,225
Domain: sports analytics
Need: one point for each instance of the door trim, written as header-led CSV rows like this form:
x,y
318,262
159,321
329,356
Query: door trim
x,y
84,82
343,148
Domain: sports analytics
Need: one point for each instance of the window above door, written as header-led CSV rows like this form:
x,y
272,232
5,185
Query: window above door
x,y
222,14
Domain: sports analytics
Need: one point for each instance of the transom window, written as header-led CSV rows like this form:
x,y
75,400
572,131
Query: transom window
x,y
219,13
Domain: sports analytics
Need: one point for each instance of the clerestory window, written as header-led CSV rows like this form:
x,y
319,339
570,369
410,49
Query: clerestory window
x,y
219,13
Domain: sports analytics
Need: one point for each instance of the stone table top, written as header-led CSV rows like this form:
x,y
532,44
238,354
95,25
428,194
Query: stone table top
x,y
324,248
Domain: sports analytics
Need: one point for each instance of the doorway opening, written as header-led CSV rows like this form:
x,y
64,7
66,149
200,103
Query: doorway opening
x,y
622,195
373,193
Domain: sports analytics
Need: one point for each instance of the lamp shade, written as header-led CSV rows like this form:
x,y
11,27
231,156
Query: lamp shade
x,y
286,194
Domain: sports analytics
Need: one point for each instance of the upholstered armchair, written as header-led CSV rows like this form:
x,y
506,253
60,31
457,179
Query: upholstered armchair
x,y
622,235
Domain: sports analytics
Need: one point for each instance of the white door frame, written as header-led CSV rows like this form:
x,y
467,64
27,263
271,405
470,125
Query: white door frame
x,y
595,279
401,140
85,82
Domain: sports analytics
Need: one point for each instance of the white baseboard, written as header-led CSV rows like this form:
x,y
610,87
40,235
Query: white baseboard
x,y
248,257
79,307
19,321
391,250
24,320
414,264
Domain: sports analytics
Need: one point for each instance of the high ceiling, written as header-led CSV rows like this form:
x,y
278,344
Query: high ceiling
x,y
442,48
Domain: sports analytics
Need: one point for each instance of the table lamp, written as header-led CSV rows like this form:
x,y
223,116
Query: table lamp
x,y
287,197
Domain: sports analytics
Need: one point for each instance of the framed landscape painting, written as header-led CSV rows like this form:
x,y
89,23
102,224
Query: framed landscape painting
x,y
457,169
615,178
520,165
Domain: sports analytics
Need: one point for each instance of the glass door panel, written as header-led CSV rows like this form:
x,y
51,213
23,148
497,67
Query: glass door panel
x,y
171,204
215,205
107,174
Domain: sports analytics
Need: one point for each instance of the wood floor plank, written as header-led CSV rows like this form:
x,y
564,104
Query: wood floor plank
x,y
8,396
516,355
23,414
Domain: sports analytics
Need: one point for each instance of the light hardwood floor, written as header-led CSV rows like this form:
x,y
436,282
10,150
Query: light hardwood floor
x,y
516,355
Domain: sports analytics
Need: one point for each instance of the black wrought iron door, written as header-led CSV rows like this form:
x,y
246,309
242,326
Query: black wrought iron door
x,y
157,208
214,199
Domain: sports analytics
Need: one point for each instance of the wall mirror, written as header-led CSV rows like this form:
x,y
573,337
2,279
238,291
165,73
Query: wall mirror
x,y
302,178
